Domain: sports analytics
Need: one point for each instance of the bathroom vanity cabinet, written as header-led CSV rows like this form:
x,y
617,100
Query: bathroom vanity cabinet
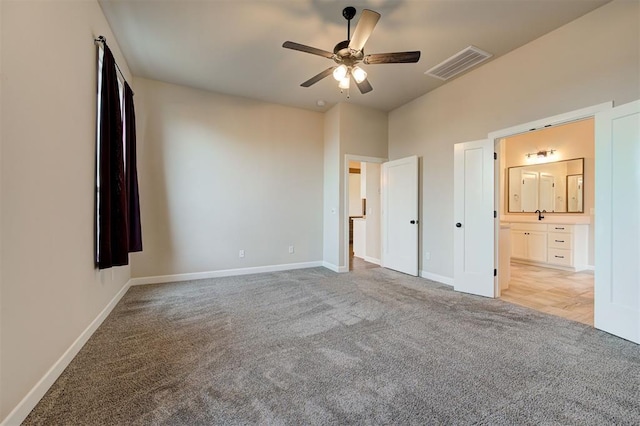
x,y
529,242
559,246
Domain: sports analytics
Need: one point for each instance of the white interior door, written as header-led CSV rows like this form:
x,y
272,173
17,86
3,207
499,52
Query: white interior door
x,y
547,192
400,215
474,222
515,191
617,238
529,191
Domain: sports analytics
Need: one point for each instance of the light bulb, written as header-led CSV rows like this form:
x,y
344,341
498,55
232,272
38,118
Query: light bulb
x,y
359,75
340,72
344,83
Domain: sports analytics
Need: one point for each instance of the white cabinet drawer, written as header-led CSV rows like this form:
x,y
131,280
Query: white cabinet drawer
x,y
529,227
561,228
559,240
560,257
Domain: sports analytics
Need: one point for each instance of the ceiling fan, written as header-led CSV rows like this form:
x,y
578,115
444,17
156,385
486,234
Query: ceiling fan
x,y
349,53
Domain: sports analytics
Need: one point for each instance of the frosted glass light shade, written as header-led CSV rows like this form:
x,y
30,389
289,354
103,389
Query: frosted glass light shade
x,y
344,83
359,75
340,73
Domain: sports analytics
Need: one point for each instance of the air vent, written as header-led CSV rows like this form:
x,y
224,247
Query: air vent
x,y
458,63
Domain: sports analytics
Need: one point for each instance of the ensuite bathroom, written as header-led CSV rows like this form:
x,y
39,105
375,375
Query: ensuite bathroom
x,y
545,248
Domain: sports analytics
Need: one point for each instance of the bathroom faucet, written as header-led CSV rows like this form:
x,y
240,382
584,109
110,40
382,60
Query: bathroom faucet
x,y
540,216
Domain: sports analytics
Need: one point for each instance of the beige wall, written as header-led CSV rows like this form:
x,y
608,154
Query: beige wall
x,y
592,60
219,174
349,130
50,289
374,211
331,187
364,132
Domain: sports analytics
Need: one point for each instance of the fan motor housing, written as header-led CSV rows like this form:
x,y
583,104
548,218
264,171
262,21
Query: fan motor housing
x,y
342,48
342,51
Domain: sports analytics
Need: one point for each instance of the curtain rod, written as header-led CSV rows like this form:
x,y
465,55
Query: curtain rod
x,y
103,40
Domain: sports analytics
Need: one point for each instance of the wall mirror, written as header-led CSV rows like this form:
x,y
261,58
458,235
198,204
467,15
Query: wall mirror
x,y
555,187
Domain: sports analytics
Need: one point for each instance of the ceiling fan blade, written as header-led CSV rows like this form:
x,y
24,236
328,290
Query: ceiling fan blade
x,y
365,86
392,58
366,24
316,78
307,49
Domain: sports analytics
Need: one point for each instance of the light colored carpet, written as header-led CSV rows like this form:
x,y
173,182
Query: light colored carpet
x,y
315,347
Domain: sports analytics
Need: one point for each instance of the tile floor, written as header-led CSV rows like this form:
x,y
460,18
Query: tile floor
x,y
556,292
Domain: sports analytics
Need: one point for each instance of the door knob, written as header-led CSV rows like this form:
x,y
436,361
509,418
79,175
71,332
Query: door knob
x,y
458,225
413,222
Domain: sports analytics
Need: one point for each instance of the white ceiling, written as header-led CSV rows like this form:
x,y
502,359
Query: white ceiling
x,y
235,46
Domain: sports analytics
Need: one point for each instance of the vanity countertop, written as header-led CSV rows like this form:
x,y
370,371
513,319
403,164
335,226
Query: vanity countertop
x,y
564,219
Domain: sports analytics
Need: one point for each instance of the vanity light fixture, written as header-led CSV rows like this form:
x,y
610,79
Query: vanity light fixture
x,y
541,154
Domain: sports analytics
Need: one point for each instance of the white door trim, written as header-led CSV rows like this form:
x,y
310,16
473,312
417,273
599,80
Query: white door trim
x,y
344,239
554,120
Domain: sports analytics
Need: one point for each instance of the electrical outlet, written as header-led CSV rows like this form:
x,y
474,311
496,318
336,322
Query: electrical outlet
x,y
292,249
241,253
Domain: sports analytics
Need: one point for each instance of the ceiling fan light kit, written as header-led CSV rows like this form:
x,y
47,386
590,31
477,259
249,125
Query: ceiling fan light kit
x,y
349,53
359,75
340,72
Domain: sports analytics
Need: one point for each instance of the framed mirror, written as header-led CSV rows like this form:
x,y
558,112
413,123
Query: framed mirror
x,y
556,187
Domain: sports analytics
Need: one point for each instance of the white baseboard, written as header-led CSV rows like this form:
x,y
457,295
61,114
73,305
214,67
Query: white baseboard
x,y
24,407
335,268
223,273
438,278
590,268
372,260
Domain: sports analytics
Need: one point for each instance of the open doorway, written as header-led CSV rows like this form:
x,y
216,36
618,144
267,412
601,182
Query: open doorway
x,y
546,192
363,195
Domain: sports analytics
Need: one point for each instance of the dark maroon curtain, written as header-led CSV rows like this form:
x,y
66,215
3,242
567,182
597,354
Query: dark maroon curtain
x,y
112,227
133,202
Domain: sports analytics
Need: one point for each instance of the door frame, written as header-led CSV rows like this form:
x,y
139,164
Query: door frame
x,y
344,237
498,135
